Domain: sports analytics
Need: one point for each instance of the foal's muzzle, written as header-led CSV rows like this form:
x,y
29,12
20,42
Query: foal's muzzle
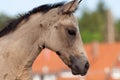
x,y
78,65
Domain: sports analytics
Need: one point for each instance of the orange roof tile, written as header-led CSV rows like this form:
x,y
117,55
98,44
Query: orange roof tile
x,y
107,56
60,78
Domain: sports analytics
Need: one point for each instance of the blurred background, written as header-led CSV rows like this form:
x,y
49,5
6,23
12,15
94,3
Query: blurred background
x,y
99,22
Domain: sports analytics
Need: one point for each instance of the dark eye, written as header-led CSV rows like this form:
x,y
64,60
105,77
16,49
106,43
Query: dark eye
x,y
71,32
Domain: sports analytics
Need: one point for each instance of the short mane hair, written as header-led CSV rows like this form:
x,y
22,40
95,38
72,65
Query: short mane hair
x,y
13,24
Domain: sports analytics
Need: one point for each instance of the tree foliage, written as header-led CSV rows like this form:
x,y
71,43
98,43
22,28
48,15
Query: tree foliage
x,y
4,20
92,24
117,25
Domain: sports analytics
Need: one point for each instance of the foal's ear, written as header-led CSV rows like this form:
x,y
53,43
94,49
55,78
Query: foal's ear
x,y
70,7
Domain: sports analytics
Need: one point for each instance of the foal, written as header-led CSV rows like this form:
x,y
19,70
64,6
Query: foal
x,y
48,26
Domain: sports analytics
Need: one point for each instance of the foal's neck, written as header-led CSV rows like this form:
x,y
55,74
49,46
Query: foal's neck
x,y
24,46
32,46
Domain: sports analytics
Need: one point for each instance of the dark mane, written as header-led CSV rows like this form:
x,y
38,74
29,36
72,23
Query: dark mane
x,y
13,24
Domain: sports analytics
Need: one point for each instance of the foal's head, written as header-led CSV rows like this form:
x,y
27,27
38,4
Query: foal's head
x,y
62,36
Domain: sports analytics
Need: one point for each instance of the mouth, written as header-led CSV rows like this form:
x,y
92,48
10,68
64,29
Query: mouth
x,y
76,72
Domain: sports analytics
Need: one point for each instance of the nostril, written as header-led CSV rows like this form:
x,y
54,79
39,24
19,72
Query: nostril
x,y
86,66
76,67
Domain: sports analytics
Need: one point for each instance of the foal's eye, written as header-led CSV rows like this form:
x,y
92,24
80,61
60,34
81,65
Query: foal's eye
x,y
71,32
